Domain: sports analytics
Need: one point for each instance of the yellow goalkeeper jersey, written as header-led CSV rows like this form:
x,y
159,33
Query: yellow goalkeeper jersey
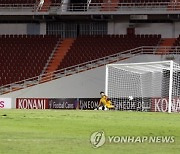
x,y
104,100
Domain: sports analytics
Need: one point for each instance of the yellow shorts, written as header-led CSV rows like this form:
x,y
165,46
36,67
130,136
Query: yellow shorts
x,y
109,106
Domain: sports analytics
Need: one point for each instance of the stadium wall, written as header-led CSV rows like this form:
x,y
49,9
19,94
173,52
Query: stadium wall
x,y
117,27
43,28
22,28
177,29
13,29
87,84
33,29
169,30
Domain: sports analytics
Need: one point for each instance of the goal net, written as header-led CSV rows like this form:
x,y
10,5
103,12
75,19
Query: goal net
x,y
151,86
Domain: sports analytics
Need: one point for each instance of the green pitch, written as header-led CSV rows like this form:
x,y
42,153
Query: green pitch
x,y
61,132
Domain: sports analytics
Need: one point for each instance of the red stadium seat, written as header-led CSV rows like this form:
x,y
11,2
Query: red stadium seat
x,y
87,48
24,56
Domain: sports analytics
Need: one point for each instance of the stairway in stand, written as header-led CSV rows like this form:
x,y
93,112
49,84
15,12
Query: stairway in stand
x,y
165,42
109,5
45,6
174,5
59,54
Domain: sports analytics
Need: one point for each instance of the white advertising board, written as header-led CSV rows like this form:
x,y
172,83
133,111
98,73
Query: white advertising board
x,y
5,103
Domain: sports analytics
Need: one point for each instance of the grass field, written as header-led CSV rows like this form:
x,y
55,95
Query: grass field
x,y
61,132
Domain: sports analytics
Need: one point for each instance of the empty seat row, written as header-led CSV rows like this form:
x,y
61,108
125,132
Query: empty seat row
x,y
17,1
87,48
56,1
24,56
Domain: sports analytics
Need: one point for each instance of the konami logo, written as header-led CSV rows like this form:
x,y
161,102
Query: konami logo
x,y
162,104
31,103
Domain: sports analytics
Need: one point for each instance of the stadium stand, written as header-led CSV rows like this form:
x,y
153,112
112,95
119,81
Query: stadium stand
x,y
78,5
18,5
56,2
166,42
59,17
110,5
55,5
20,53
45,6
84,5
24,56
174,5
59,54
144,1
177,42
16,2
87,48
115,5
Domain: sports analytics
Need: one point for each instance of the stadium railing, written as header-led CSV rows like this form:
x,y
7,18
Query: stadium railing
x,y
167,51
17,7
129,6
64,8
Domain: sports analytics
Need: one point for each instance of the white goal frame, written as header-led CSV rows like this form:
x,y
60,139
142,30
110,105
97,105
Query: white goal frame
x,y
168,65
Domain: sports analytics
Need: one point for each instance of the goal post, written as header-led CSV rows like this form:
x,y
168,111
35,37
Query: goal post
x,y
150,86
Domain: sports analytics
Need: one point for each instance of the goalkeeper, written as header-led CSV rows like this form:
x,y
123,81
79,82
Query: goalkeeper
x,y
105,102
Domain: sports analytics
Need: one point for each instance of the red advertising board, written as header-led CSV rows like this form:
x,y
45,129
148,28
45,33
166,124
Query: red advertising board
x,y
145,104
31,103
